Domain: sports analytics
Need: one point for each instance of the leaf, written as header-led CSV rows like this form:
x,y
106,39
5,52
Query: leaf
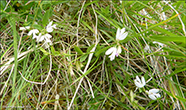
x,y
36,26
90,48
44,51
83,57
125,82
55,53
78,50
45,18
181,39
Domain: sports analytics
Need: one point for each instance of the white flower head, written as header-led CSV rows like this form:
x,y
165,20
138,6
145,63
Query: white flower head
x,y
114,52
153,94
46,44
121,34
49,27
24,28
155,42
140,83
45,38
34,32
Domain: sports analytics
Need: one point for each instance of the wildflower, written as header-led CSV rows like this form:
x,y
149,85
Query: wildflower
x,y
24,28
115,52
34,32
153,94
155,42
121,34
49,27
140,83
47,43
45,37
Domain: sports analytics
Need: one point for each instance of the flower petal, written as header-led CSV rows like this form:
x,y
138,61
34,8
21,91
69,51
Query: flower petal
x,y
118,34
137,78
110,50
139,83
54,26
50,24
22,28
112,56
48,36
123,36
157,95
122,30
27,27
152,97
153,90
49,29
32,31
40,38
143,81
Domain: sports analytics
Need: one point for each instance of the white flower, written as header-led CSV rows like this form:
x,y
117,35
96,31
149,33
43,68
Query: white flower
x,y
46,44
140,83
155,42
115,52
121,34
45,37
34,32
153,94
49,27
24,28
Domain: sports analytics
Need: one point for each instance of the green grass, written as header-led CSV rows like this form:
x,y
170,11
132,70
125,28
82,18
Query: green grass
x,y
75,73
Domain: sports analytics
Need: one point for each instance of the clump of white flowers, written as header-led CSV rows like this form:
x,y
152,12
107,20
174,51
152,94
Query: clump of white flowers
x,y
39,36
116,50
152,93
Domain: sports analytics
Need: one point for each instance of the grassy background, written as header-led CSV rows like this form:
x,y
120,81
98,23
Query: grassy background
x,y
75,73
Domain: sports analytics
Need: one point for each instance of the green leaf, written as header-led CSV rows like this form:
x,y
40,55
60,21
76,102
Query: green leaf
x,y
44,51
55,53
78,50
87,25
45,18
36,26
181,39
90,48
125,82
83,57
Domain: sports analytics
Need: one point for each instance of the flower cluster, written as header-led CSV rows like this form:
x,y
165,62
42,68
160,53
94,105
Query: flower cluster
x,y
116,50
152,93
39,36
